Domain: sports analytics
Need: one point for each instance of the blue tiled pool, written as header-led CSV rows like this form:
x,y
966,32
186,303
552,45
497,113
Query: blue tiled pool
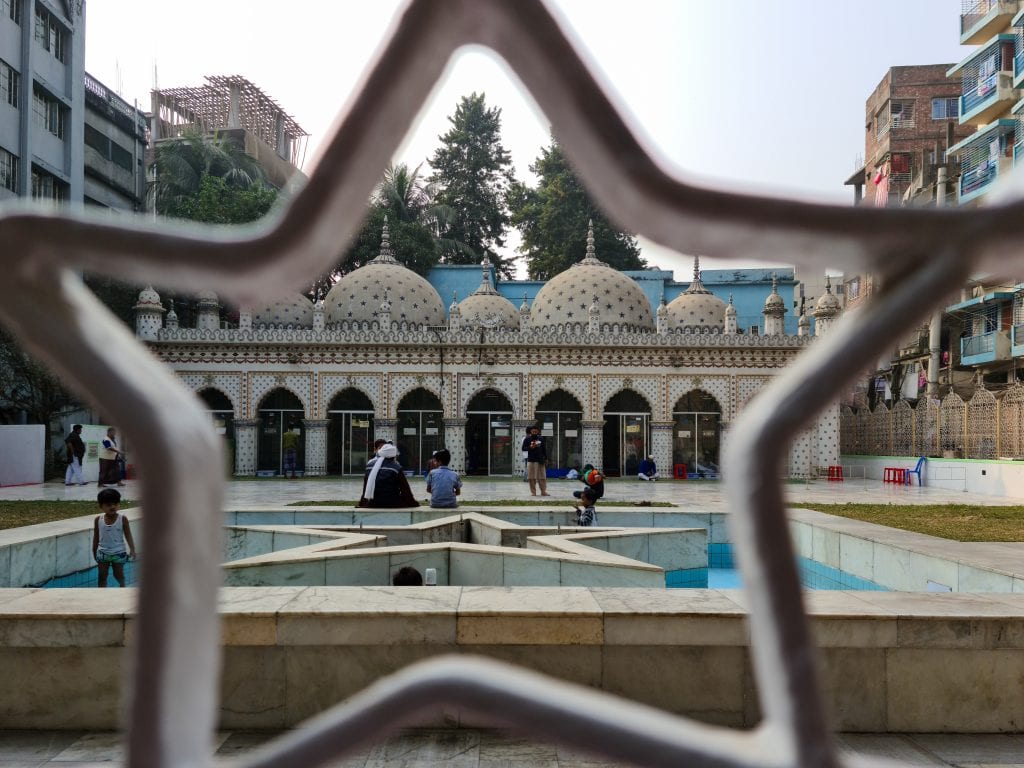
x,y
87,578
721,573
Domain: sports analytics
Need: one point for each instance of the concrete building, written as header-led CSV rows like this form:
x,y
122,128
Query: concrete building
x,y
234,108
115,149
42,99
608,374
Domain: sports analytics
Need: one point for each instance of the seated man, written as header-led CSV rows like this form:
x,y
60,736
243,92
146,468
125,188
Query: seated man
x,y
386,484
648,470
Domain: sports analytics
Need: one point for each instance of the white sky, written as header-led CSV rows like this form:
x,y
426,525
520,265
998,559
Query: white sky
x,y
766,96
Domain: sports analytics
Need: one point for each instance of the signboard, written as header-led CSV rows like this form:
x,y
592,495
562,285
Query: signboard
x,y
632,428
708,433
409,431
548,432
361,423
502,432
499,424
548,426
571,433
683,433
430,430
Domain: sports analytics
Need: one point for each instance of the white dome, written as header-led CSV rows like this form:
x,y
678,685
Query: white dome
x,y
774,304
568,296
697,310
486,307
357,297
828,304
296,311
148,299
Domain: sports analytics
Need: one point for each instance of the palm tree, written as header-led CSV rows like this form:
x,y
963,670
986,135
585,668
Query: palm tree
x,y
407,197
182,163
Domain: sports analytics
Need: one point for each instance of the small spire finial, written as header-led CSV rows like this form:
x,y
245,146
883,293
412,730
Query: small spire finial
x,y
828,284
775,282
385,256
696,268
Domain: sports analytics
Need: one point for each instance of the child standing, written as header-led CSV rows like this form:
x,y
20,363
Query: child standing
x,y
110,532
587,516
443,484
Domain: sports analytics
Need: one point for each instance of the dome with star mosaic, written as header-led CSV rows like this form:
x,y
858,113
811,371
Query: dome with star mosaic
x,y
291,312
568,296
358,296
696,310
486,307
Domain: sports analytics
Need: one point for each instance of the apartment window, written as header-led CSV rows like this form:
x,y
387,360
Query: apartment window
x,y
8,170
121,156
755,330
945,109
46,186
10,82
11,9
48,113
49,33
107,148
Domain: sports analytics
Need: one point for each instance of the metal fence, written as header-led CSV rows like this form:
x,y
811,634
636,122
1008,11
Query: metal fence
x,y
988,426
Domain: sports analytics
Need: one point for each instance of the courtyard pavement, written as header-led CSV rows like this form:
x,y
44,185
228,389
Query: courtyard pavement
x,y
706,495
467,748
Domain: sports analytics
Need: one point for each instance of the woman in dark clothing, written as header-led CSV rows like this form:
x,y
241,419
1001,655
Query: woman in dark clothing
x,y
385,483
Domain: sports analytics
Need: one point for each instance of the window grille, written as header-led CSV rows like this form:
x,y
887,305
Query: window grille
x,y
8,171
10,82
946,108
924,254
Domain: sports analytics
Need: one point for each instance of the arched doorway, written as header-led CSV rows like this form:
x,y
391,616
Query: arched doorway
x,y
420,429
490,443
697,433
626,433
349,433
279,412
559,415
222,416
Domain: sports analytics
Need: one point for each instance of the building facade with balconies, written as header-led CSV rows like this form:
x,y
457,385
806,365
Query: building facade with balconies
x,y
42,60
115,149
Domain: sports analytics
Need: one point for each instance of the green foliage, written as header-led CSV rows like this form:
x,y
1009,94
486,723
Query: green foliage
x,y
14,514
553,221
473,174
411,243
216,201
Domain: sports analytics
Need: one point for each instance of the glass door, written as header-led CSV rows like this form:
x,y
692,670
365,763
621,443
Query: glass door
x,y
501,448
563,433
349,442
634,442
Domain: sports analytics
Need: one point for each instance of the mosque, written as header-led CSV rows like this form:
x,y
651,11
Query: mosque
x,y
607,377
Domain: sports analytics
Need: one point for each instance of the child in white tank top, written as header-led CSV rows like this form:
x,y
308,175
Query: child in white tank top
x,y
110,533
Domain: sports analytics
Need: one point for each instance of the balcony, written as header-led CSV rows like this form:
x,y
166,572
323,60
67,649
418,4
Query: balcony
x,y
983,157
1017,349
990,347
987,77
980,19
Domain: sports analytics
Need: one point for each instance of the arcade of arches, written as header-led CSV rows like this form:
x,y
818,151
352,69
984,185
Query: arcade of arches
x,y
486,441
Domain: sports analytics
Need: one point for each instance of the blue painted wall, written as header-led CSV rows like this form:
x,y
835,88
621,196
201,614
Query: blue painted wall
x,y
748,287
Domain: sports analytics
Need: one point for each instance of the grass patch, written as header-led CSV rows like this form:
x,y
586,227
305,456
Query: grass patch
x,y
501,503
959,522
14,514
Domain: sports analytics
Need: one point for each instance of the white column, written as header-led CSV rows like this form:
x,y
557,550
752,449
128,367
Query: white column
x,y
385,429
661,446
455,442
593,448
245,447
316,446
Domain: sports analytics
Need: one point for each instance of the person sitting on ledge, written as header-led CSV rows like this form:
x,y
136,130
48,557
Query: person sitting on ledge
x,y
648,470
407,576
386,484
587,515
443,484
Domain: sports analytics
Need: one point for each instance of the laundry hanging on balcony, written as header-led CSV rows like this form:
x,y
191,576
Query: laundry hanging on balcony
x,y
881,182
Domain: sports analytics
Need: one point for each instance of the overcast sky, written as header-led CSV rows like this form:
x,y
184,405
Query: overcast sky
x,y
767,96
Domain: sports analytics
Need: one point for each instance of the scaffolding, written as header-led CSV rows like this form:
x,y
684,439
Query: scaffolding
x,y
226,102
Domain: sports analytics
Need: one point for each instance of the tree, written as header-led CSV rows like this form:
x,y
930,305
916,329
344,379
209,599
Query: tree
x,y
28,386
473,174
412,244
553,221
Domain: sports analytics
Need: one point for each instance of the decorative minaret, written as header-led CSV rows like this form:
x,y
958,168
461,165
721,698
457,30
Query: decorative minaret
x,y
454,313
594,315
803,326
524,315
591,257
774,311
208,311
827,310
245,318
319,316
731,321
148,314
662,317
172,320
385,256
384,312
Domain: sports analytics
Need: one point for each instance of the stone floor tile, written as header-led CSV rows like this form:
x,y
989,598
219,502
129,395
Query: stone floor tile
x,y
962,749
26,746
891,746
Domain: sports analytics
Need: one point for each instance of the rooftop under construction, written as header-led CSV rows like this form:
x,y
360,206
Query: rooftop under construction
x,y
228,102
